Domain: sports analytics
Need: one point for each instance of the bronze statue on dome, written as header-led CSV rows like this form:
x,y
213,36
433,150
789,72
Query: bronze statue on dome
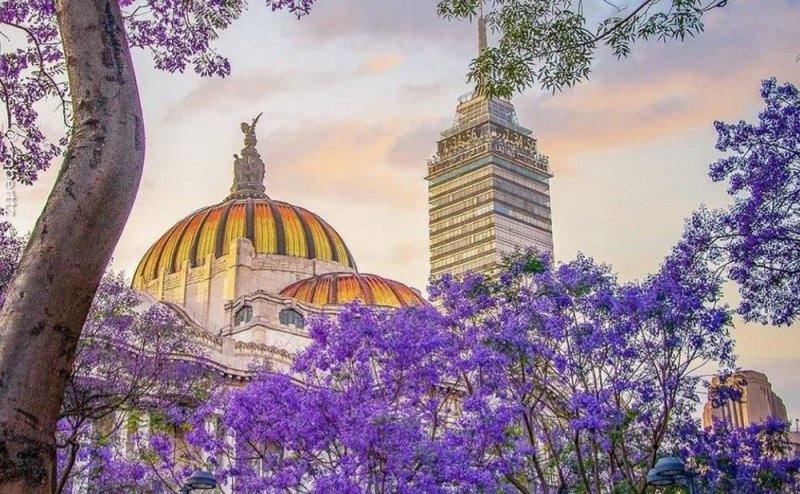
x,y
248,169
250,131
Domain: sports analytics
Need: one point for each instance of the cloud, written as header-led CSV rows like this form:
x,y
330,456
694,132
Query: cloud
x,y
663,90
342,159
412,149
381,63
244,89
216,93
394,20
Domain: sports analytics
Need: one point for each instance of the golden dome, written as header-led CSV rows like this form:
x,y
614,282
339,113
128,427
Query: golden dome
x,y
341,288
274,227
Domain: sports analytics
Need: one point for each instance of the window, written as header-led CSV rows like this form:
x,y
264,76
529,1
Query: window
x,y
291,317
243,315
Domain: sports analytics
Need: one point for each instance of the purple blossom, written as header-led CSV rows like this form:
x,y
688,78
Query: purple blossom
x,y
129,385
755,240
556,362
758,458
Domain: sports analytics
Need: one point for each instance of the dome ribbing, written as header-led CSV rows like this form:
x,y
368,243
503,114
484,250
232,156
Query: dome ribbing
x,y
342,288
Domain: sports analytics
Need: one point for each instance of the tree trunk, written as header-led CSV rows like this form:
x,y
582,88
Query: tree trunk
x,y
49,296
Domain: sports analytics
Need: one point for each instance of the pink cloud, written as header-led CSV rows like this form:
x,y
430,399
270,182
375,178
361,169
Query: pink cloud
x,y
662,91
381,63
340,159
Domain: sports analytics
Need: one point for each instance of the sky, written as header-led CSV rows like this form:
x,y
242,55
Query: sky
x,y
354,98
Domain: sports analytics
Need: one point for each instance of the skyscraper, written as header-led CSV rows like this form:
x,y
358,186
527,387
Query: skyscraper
x,y
488,191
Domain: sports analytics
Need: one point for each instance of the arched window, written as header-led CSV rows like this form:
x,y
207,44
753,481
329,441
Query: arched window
x,y
243,315
291,317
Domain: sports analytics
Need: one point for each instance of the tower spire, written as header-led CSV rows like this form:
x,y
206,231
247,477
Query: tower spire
x,y
482,44
481,30
248,169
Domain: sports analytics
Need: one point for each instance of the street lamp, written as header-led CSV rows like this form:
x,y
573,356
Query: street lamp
x,y
200,480
670,471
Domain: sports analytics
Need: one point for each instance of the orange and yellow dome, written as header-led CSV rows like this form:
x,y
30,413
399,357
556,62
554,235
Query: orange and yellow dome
x,y
341,288
274,227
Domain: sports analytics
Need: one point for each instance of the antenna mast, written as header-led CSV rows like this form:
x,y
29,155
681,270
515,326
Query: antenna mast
x,y
481,30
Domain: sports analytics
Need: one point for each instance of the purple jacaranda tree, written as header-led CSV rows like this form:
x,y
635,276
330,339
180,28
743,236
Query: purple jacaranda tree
x,y
758,458
755,241
366,408
135,367
76,53
542,380
594,373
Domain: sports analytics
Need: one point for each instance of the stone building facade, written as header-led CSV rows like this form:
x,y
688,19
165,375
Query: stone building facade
x,y
758,402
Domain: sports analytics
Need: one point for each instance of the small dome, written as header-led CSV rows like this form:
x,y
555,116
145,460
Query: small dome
x,y
341,288
274,227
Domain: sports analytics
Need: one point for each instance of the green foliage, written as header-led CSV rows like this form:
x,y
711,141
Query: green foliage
x,y
159,422
533,265
552,43
133,420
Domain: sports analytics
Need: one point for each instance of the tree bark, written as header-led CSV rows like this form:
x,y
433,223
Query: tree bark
x,y
49,296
